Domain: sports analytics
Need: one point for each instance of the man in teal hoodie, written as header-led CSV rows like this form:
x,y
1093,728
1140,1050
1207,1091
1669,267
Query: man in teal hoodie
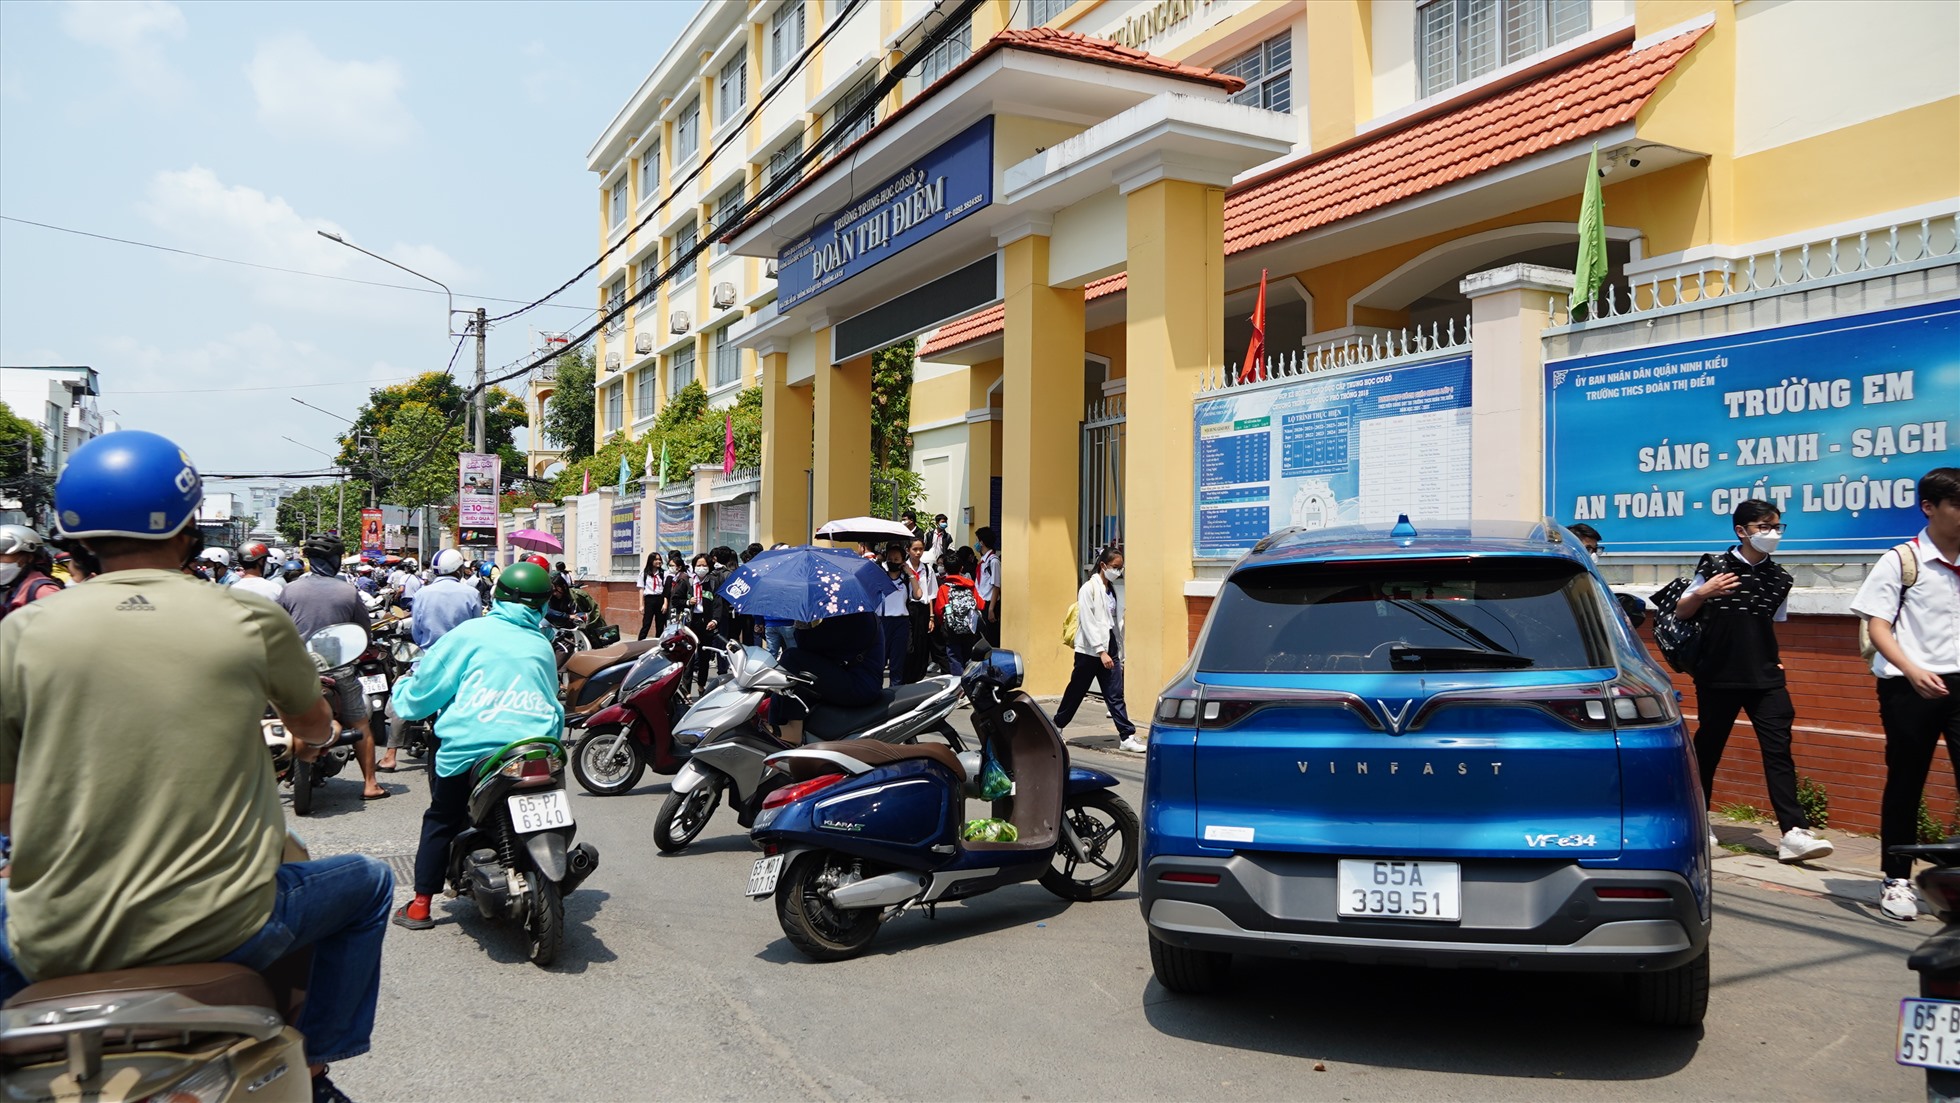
x,y
494,681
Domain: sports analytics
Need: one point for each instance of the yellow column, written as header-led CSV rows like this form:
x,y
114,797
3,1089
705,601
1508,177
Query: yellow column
x,y
1176,330
989,19
1041,393
786,422
1340,83
842,426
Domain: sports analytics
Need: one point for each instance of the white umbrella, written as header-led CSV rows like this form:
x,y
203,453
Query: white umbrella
x,y
863,530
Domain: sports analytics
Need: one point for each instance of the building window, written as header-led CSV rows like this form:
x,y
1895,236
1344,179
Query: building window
x,y
1461,40
687,131
685,240
1044,11
618,202
728,359
957,48
643,392
782,165
649,269
650,171
1267,70
785,35
615,406
848,102
615,298
680,368
731,88
726,204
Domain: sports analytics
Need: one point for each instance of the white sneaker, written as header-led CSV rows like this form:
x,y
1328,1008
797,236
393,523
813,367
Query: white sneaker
x,y
1799,845
1899,901
1713,842
1132,743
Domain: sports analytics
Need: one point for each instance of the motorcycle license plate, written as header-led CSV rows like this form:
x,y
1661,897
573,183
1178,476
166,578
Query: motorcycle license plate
x,y
763,875
374,683
1929,1034
1399,890
531,812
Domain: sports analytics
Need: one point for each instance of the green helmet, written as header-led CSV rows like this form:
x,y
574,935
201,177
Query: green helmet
x,y
525,584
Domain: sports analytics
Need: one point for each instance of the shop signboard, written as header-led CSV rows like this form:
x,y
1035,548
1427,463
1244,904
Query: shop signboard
x,y
1358,448
954,180
1832,421
625,522
478,476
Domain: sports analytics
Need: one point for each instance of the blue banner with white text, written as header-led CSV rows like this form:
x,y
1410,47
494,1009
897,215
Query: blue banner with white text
x,y
1832,421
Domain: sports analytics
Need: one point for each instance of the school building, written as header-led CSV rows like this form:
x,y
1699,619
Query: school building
x,y
1078,209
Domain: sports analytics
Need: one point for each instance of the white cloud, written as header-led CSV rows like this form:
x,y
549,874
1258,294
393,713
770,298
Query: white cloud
x,y
134,31
201,212
357,102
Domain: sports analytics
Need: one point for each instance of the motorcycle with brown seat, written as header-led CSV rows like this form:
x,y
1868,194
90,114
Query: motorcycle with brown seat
x,y
637,730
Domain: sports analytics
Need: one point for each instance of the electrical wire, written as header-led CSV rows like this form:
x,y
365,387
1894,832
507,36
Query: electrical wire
x,y
294,387
276,268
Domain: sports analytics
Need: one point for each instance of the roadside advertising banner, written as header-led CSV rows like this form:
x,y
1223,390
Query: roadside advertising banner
x,y
1357,448
673,525
373,532
1832,421
478,477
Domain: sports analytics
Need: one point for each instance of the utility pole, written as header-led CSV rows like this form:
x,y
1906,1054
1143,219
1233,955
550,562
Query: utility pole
x,y
481,397
340,514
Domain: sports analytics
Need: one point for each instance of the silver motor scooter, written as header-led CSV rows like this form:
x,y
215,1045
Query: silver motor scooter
x,y
730,736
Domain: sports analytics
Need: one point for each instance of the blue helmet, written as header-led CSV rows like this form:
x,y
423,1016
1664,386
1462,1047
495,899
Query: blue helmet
x,y
127,483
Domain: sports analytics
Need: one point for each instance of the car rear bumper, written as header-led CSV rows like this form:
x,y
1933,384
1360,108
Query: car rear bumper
x,y
1526,915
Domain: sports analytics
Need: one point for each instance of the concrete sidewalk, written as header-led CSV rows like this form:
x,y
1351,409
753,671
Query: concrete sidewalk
x,y
1850,873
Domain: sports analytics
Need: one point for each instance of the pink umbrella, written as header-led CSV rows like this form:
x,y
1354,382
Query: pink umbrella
x,y
534,540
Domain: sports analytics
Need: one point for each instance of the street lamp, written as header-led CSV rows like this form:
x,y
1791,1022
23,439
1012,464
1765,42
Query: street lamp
x,y
477,326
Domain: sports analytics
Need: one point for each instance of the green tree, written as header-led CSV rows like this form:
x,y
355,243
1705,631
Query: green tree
x,y
419,427
687,429
312,509
570,419
894,485
20,451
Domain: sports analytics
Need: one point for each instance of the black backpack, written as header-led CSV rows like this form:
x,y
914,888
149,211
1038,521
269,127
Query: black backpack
x,y
1679,640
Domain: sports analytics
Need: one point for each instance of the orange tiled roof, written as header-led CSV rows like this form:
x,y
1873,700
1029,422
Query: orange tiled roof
x,y
1081,47
993,319
1585,98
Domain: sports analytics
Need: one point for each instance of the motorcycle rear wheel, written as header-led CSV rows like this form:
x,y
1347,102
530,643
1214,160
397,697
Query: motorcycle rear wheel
x,y
683,816
1102,820
822,932
546,923
604,770
302,788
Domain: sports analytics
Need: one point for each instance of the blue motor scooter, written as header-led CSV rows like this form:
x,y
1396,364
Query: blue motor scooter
x,y
865,830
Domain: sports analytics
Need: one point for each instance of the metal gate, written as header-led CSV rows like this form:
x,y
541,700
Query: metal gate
x,y
1102,478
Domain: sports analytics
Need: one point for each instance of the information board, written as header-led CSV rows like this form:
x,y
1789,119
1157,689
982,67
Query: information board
x,y
673,525
1358,448
1833,421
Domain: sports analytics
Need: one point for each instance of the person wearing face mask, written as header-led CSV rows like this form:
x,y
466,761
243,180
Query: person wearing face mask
x,y
1738,597
493,680
24,568
1099,648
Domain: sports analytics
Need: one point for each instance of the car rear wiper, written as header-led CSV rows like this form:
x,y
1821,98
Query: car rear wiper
x,y
1455,626
1402,657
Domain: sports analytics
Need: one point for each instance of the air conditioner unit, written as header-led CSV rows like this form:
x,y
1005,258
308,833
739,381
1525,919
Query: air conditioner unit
x,y
724,295
679,322
612,361
643,343
769,267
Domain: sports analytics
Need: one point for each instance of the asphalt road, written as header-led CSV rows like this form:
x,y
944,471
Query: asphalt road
x,y
674,986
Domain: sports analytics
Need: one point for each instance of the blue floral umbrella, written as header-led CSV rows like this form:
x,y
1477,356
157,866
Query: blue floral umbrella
x,y
806,584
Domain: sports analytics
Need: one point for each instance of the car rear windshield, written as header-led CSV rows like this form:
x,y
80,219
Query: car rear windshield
x,y
1415,615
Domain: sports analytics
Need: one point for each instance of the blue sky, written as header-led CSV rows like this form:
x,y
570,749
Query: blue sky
x,y
449,137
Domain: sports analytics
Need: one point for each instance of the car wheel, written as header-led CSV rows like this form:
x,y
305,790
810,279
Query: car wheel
x,y
1187,971
1676,997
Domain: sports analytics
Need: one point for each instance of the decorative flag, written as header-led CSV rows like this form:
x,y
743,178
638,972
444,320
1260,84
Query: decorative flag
x,y
663,463
728,446
1589,271
623,474
587,489
646,469
1255,349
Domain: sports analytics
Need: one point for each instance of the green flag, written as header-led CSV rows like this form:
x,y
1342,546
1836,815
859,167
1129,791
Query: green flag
x,y
1589,271
663,465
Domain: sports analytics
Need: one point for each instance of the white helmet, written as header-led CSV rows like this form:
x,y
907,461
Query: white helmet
x,y
217,555
276,557
19,540
450,561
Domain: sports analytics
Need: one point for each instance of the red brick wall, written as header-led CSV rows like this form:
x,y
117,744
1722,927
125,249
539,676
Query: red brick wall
x,y
1838,739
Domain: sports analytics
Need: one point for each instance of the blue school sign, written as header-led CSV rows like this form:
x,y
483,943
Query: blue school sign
x,y
944,186
1833,421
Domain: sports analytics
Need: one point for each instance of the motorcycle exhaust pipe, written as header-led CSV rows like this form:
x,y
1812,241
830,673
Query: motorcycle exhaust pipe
x,y
880,892
580,861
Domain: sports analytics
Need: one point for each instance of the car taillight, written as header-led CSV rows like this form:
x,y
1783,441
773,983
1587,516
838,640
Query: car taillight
x,y
1622,703
1179,705
790,794
1183,878
1605,892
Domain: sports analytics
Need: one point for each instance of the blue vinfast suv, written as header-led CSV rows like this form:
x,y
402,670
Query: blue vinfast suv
x,y
1444,748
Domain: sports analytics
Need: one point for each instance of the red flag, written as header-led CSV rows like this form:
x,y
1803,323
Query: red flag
x,y
728,447
1255,349
588,483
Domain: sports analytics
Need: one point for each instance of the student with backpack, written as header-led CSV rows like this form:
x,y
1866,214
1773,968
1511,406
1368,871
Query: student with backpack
x,y
956,611
1910,603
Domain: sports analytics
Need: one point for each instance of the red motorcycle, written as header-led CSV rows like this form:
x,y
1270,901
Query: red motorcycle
x,y
621,741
